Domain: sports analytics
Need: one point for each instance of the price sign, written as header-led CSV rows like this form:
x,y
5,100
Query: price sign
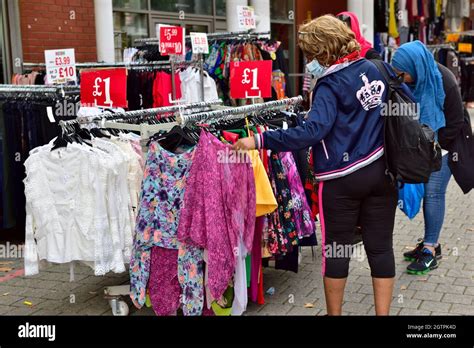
x,y
465,47
251,79
60,66
104,88
200,43
171,40
246,16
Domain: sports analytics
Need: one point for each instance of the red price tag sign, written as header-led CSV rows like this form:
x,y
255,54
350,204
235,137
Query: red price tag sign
x,y
251,79
104,88
172,40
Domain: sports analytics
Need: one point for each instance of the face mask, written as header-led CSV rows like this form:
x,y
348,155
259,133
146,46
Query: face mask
x,y
316,69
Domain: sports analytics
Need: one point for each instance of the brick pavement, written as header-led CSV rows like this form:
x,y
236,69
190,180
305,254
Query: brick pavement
x,y
446,291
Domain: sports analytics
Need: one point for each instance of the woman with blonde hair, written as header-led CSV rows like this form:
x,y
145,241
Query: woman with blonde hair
x,y
345,130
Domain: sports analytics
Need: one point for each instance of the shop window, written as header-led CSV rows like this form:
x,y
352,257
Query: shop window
x,y
128,27
131,4
221,8
279,9
199,7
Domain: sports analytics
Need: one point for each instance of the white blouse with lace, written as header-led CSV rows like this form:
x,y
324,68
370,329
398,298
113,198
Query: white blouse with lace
x,y
80,205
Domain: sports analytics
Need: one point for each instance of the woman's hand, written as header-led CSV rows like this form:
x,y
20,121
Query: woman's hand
x,y
245,144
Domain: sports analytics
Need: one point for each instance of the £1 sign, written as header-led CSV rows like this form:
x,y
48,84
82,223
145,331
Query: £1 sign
x,y
104,88
251,79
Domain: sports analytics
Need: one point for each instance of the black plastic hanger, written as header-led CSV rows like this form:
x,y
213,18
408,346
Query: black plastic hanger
x,y
175,138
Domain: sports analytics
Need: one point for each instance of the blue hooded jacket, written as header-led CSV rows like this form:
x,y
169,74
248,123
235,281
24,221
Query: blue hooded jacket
x,y
344,126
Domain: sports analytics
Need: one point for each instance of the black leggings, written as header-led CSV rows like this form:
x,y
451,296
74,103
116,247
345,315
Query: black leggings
x,y
364,197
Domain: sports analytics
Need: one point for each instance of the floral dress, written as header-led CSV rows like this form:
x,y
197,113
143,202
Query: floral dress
x,y
282,234
305,225
157,224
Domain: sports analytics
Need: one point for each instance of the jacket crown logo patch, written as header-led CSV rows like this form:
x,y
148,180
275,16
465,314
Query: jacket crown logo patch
x,y
370,95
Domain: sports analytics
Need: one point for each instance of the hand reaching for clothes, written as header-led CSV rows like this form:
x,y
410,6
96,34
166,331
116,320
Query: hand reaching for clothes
x,y
245,144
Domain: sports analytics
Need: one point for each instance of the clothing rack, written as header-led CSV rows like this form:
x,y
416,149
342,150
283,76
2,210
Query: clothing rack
x,y
114,294
184,120
163,63
111,120
213,36
173,64
38,90
440,46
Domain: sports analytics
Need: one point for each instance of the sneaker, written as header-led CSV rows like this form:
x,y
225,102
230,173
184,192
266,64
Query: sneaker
x,y
425,263
414,254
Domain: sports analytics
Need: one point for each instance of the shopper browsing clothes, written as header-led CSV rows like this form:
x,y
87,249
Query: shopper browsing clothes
x,y
367,51
436,90
344,128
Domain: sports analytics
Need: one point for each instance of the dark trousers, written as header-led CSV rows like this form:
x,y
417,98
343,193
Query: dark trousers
x,y
364,197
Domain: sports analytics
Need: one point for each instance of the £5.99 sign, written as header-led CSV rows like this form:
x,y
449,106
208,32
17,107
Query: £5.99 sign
x,y
104,88
171,40
251,79
60,66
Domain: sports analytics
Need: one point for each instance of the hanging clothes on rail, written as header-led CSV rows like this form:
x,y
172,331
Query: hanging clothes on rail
x,y
191,86
223,52
24,125
218,215
79,204
31,78
161,201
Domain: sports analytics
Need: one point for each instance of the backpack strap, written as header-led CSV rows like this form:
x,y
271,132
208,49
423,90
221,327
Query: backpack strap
x,y
383,70
389,82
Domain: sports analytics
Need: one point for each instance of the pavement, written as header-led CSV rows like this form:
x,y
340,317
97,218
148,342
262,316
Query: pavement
x,y
449,290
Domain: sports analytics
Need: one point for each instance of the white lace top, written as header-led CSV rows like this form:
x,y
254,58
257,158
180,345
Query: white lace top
x,y
80,205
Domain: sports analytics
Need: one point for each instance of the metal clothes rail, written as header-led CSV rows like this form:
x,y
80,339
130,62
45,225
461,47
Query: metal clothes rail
x,y
173,64
37,91
440,46
160,64
37,88
183,120
213,36
112,120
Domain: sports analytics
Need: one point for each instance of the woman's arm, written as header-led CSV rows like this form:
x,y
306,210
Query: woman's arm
x,y
318,124
453,109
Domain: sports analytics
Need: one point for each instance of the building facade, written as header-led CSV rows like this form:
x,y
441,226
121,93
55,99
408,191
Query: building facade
x,y
99,30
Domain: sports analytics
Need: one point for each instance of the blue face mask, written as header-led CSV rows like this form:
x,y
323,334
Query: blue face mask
x,y
316,69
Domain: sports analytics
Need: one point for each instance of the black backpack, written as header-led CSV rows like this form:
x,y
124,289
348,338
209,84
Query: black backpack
x,y
411,152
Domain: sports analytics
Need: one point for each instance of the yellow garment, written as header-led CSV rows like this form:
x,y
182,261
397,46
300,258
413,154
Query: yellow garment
x,y
392,22
266,201
439,8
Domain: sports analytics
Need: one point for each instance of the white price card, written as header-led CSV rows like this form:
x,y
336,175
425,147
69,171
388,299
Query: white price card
x,y
246,16
200,43
60,66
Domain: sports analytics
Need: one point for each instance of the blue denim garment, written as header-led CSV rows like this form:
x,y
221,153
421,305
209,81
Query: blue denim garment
x,y
434,203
